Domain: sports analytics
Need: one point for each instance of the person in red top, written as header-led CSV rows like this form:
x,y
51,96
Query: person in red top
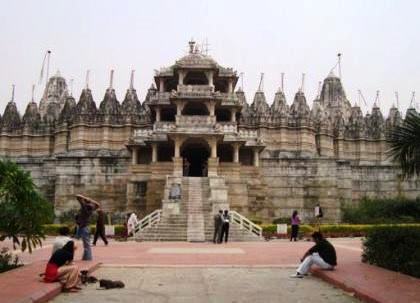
x,y
60,268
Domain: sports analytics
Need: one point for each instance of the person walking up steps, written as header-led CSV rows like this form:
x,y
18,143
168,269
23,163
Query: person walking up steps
x,y
218,222
87,206
295,221
100,227
225,226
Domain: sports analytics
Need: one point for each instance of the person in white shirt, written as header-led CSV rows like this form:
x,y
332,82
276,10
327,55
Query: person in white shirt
x,y
62,239
131,224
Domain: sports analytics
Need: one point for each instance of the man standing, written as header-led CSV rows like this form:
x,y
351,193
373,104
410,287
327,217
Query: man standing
x,y
322,254
100,227
225,226
218,221
87,206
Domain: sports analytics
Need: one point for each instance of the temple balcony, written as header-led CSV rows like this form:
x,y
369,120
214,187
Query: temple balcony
x,y
227,127
164,126
229,99
194,91
160,98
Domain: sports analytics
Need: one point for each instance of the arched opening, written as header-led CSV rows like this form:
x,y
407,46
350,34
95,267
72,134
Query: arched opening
x,y
225,153
144,155
222,115
195,109
196,78
220,85
195,154
168,114
171,83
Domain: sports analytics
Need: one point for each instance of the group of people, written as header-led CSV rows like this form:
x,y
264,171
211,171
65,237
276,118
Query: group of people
x,y
60,266
221,226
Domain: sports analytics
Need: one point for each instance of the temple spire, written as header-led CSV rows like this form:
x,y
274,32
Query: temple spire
x,y
13,93
282,83
302,85
33,90
261,85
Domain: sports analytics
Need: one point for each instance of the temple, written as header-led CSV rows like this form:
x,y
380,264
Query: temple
x,y
196,131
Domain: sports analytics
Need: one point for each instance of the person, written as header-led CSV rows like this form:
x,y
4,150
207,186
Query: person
x,y
218,222
87,206
225,226
131,224
322,254
60,268
100,227
62,239
295,221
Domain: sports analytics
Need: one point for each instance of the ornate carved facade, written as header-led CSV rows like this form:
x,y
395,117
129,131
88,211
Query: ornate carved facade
x,y
268,159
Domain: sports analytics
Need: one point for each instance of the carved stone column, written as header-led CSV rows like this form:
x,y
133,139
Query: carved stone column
x,y
233,115
134,155
230,87
157,114
181,75
256,158
235,153
161,85
154,152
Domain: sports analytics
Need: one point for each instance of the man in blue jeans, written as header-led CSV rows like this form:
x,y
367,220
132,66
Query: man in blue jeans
x,y
87,207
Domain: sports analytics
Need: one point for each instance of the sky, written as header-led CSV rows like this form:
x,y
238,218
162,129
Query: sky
x,y
379,42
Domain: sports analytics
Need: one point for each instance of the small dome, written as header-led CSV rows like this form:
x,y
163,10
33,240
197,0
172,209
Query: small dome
x,y
196,60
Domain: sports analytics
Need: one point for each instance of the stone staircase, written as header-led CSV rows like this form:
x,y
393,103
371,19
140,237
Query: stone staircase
x,y
191,218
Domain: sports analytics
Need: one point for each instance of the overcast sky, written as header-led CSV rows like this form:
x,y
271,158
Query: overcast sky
x,y
379,40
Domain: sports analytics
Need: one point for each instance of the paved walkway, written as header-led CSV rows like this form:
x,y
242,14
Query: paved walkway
x,y
367,282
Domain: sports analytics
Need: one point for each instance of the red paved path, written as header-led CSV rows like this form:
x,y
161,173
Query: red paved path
x,y
370,283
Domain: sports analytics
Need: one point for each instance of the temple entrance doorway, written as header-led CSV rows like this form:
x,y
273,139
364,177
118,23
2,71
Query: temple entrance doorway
x,y
195,154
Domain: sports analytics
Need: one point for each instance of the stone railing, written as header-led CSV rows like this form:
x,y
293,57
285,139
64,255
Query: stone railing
x,y
227,127
246,224
160,97
148,221
195,121
194,91
142,133
229,98
164,126
248,134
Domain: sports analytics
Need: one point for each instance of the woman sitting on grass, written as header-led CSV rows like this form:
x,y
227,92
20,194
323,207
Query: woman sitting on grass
x,y
60,268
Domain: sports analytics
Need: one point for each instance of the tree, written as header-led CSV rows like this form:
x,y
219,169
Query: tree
x,y
405,144
23,210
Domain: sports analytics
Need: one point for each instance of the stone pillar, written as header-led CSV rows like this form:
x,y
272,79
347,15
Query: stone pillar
x,y
211,109
161,85
209,75
213,145
233,115
256,158
134,155
230,87
177,147
236,153
154,152
157,114
181,75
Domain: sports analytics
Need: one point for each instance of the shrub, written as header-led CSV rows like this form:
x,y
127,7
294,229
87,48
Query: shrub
x,y
282,220
7,260
22,208
394,247
390,211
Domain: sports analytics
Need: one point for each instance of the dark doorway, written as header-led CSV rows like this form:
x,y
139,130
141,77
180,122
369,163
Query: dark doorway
x,y
195,156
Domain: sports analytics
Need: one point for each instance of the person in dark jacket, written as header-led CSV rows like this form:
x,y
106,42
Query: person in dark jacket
x,y
218,222
295,221
100,227
60,268
225,226
322,254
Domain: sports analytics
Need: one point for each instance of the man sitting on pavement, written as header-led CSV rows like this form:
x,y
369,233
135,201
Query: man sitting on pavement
x,y
322,254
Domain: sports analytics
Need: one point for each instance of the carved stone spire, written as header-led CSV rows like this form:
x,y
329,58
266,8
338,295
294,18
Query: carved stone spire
x,y
109,109
299,110
55,92
356,127
375,124
394,118
67,114
86,108
131,107
11,118
279,106
260,105
333,97
32,118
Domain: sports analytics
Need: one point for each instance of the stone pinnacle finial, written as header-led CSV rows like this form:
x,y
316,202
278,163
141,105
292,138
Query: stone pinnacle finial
x,y
33,90
132,80
302,85
191,43
111,78
13,93
282,83
87,79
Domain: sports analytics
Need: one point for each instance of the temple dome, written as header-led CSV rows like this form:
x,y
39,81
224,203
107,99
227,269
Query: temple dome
x,y
196,60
